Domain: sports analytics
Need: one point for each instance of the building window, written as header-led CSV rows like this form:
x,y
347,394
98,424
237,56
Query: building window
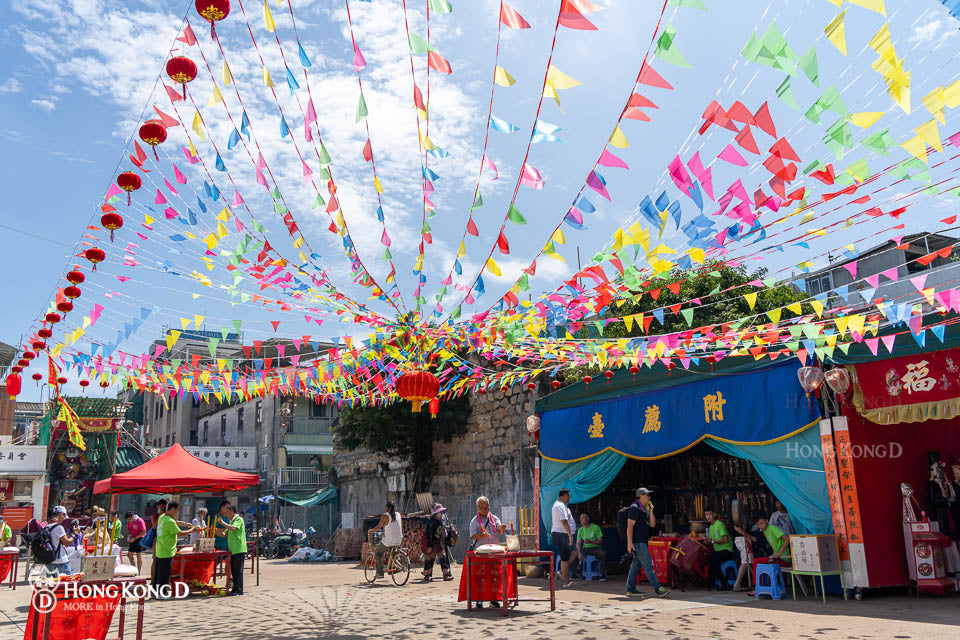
x,y
318,410
206,431
819,284
240,420
173,438
176,400
161,409
223,428
166,440
258,416
193,437
156,409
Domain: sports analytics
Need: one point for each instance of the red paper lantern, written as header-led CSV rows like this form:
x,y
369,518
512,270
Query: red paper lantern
x,y
434,407
634,370
608,375
38,345
65,306
61,380
13,385
72,292
153,133
37,376
111,221
670,367
129,182
531,386
75,277
44,333
481,391
555,384
16,369
29,355
95,255
23,364
418,387
182,70
711,360
52,317
587,380
214,11
104,384
84,383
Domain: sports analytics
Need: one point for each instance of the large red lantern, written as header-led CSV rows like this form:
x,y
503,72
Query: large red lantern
x,y
129,181
64,306
434,407
214,11
84,383
586,381
634,370
555,384
61,380
44,333
153,133
75,277
52,317
72,292
111,221
29,355
37,376
418,387
608,375
182,70
16,369
23,363
95,255
13,385
38,345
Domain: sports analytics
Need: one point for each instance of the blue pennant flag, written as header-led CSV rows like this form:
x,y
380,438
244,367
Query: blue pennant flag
x,y
234,139
304,60
245,126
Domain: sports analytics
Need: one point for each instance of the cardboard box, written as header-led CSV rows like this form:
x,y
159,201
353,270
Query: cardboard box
x,y
816,553
98,568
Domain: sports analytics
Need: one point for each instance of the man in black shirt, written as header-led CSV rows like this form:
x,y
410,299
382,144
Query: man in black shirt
x,y
640,523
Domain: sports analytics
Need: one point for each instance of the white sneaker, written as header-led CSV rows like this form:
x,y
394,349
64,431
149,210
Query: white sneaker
x,y
568,585
602,580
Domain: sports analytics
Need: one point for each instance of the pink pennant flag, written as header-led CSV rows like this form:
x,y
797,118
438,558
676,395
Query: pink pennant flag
x,y
705,176
237,200
261,179
891,274
95,313
311,112
123,278
192,159
385,239
732,156
238,224
446,281
595,183
178,176
608,159
261,163
161,199
307,172
428,188
159,350
170,213
358,60
307,132
852,268
888,341
873,344
530,177
114,190
679,175
874,280
919,281
488,163
170,187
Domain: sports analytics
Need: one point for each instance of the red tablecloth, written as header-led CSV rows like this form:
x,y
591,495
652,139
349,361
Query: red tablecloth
x,y
6,562
486,579
198,568
74,618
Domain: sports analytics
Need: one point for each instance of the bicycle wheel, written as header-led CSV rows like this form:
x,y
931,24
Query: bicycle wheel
x,y
401,568
370,570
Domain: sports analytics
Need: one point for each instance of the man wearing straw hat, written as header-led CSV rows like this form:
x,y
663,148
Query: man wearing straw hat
x,y
436,545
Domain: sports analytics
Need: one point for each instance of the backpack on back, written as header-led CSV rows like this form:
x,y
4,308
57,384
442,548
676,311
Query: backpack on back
x,y
43,547
622,521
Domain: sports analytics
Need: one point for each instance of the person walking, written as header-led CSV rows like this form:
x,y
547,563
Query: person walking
x,y
640,523
392,527
136,530
561,534
236,532
435,549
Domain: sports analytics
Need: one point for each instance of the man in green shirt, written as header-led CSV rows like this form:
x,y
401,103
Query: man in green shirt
x,y
116,525
166,542
722,549
589,543
777,539
5,533
233,527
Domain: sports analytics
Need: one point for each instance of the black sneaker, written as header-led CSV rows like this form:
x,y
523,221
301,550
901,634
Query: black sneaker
x,y
631,594
494,604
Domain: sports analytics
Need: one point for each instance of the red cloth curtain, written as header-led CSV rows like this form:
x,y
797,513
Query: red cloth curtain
x,y
486,579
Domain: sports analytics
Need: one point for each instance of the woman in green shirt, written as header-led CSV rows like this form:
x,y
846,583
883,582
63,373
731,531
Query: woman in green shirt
x,y
722,549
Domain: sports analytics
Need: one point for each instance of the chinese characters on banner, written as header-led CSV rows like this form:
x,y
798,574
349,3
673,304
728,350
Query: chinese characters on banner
x,y
236,458
833,488
712,410
926,377
6,490
848,483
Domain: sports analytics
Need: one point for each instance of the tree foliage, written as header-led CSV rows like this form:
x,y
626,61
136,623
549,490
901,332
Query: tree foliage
x,y
395,430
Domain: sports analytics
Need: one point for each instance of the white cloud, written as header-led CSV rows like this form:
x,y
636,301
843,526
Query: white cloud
x,y
12,85
924,32
44,104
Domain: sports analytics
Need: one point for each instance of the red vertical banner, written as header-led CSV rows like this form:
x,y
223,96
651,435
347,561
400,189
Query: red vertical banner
x,y
847,480
833,488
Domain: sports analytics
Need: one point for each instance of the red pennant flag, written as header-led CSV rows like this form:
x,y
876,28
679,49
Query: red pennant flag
x,y
674,288
532,269
635,113
826,175
418,98
783,149
637,100
188,38
472,227
141,155
740,113
332,204
745,140
510,17
438,63
651,78
503,244
367,151
765,121
166,120
571,18
276,324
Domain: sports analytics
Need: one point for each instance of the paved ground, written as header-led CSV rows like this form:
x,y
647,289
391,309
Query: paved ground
x,y
333,601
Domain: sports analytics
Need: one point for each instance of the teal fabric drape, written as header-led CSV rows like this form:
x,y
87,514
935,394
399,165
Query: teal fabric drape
x,y
793,469
585,479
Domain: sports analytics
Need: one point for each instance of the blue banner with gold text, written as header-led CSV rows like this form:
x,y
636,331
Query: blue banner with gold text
x,y
750,408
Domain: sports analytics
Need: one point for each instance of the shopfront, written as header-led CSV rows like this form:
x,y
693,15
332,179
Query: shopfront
x,y
734,442
23,483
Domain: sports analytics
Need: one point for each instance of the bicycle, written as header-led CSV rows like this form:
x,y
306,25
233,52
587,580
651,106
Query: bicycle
x,y
397,564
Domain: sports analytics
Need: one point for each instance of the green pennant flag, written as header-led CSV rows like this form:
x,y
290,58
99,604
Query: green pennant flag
x,y
523,283
477,202
257,226
224,332
324,156
808,64
879,141
361,108
237,324
318,202
278,207
687,315
786,94
514,215
275,194
418,45
667,52
212,346
387,255
440,6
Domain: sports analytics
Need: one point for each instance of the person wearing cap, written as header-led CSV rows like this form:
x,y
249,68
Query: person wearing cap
x,y
435,548
640,524
60,540
5,533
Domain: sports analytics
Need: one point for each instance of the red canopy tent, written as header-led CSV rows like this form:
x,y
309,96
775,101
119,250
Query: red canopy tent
x,y
176,471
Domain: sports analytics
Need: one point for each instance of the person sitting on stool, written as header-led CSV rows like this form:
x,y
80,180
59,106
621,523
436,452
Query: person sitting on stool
x,y
722,549
589,543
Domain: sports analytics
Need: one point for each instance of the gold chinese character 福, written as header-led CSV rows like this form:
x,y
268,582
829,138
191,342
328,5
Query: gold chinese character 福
x,y
596,427
713,407
651,419
917,377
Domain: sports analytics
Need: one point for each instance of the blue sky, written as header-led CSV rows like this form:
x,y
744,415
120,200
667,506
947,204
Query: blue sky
x,y
78,74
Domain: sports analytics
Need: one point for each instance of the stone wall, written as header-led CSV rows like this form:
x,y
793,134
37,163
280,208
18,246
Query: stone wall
x,y
490,459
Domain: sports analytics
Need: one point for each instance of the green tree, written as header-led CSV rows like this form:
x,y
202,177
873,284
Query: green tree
x,y
395,430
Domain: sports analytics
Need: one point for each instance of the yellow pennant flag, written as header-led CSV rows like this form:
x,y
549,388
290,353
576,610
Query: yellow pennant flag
x,y
198,320
774,315
492,267
558,236
795,308
462,251
557,79
873,5
198,127
184,323
617,138
751,299
147,220
172,336
267,80
934,102
836,33
377,185
226,75
215,97
930,134
917,147
268,17
864,119
502,77
951,94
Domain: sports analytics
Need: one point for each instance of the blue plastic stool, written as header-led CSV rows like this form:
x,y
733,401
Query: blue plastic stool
x,y
591,567
773,586
729,571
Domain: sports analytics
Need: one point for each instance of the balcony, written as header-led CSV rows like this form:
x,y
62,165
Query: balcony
x,y
309,426
302,477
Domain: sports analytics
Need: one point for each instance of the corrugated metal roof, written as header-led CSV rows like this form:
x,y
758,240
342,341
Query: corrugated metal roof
x,y
128,458
94,407
30,407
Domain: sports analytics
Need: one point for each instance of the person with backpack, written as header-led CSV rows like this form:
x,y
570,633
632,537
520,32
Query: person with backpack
x,y
434,544
640,523
51,542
